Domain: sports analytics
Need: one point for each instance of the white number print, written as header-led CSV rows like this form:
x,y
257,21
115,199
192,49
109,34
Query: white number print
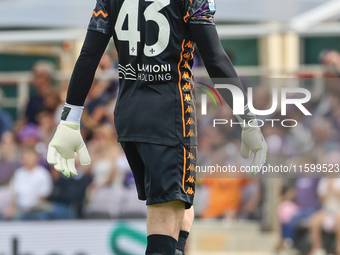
x,y
152,13
129,9
132,35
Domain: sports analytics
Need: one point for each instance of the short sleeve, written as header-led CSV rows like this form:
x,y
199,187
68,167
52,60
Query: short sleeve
x,y
199,11
100,20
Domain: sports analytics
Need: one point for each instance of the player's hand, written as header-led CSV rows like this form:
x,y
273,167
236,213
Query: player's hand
x,y
65,142
253,141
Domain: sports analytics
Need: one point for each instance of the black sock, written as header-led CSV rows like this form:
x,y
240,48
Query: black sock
x,y
161,244
182,239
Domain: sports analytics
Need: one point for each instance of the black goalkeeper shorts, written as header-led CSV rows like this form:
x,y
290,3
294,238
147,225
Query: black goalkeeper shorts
x,y
163,173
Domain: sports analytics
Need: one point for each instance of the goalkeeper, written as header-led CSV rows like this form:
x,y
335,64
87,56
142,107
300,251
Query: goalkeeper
x,y
155,114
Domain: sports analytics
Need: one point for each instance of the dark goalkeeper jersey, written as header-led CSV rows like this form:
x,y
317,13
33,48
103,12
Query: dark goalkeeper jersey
x,y
156,101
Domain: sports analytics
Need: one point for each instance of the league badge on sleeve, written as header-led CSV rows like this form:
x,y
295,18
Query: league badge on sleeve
x,y
212,5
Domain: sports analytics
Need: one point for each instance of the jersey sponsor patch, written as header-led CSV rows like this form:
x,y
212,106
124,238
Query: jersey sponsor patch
x,y
212,5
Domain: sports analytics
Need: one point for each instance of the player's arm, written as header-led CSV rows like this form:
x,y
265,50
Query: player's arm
x,y
199,16
215,58
83,73
67,138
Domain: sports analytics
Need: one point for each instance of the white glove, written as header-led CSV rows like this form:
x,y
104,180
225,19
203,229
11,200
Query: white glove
x,y
253,141
66,141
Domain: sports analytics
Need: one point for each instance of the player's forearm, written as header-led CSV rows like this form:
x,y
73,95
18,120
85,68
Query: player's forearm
x,y
86,66
215,59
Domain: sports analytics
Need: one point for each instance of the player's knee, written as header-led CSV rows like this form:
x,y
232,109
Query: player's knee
x,y
188,219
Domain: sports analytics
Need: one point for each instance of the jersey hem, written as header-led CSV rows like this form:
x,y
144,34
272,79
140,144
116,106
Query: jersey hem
x,y
159,141
153,140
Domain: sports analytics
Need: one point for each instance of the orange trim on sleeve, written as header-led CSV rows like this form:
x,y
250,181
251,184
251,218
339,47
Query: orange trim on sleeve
x,y
100,12
180,86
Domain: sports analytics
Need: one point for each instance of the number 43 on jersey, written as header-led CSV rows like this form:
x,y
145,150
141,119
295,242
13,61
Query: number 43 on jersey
x,y
130,10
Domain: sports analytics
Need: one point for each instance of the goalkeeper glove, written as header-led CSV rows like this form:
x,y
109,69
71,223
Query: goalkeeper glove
x,y
67,140
253,141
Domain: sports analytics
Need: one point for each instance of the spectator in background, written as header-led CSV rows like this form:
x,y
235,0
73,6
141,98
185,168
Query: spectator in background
x,y
62,93
219,205
42,75
5,119
330,60
110,106
5,200
251,200
297,206
51,101
8,156
67,197
30,137
298,140
275,139
95,106
334,117
262,100
8,163
287,209
31,185
46,124
328,218
322,131
104,152
104,195
109,69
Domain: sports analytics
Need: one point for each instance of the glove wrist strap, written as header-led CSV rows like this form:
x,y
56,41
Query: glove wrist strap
x,y
248,119
71,113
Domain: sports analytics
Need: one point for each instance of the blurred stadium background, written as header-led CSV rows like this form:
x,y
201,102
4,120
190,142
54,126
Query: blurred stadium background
x,y
98,211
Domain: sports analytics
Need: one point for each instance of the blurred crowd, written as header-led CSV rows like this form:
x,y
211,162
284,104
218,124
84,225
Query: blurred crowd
x,y
307,201
31,189
313,203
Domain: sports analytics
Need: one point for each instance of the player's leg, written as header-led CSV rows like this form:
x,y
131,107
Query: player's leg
x,y
169,189
165,218
161,220
163,224
185,230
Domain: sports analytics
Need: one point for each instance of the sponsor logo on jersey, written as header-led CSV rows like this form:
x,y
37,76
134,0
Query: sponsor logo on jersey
x,y
151,73
127,72
145,72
